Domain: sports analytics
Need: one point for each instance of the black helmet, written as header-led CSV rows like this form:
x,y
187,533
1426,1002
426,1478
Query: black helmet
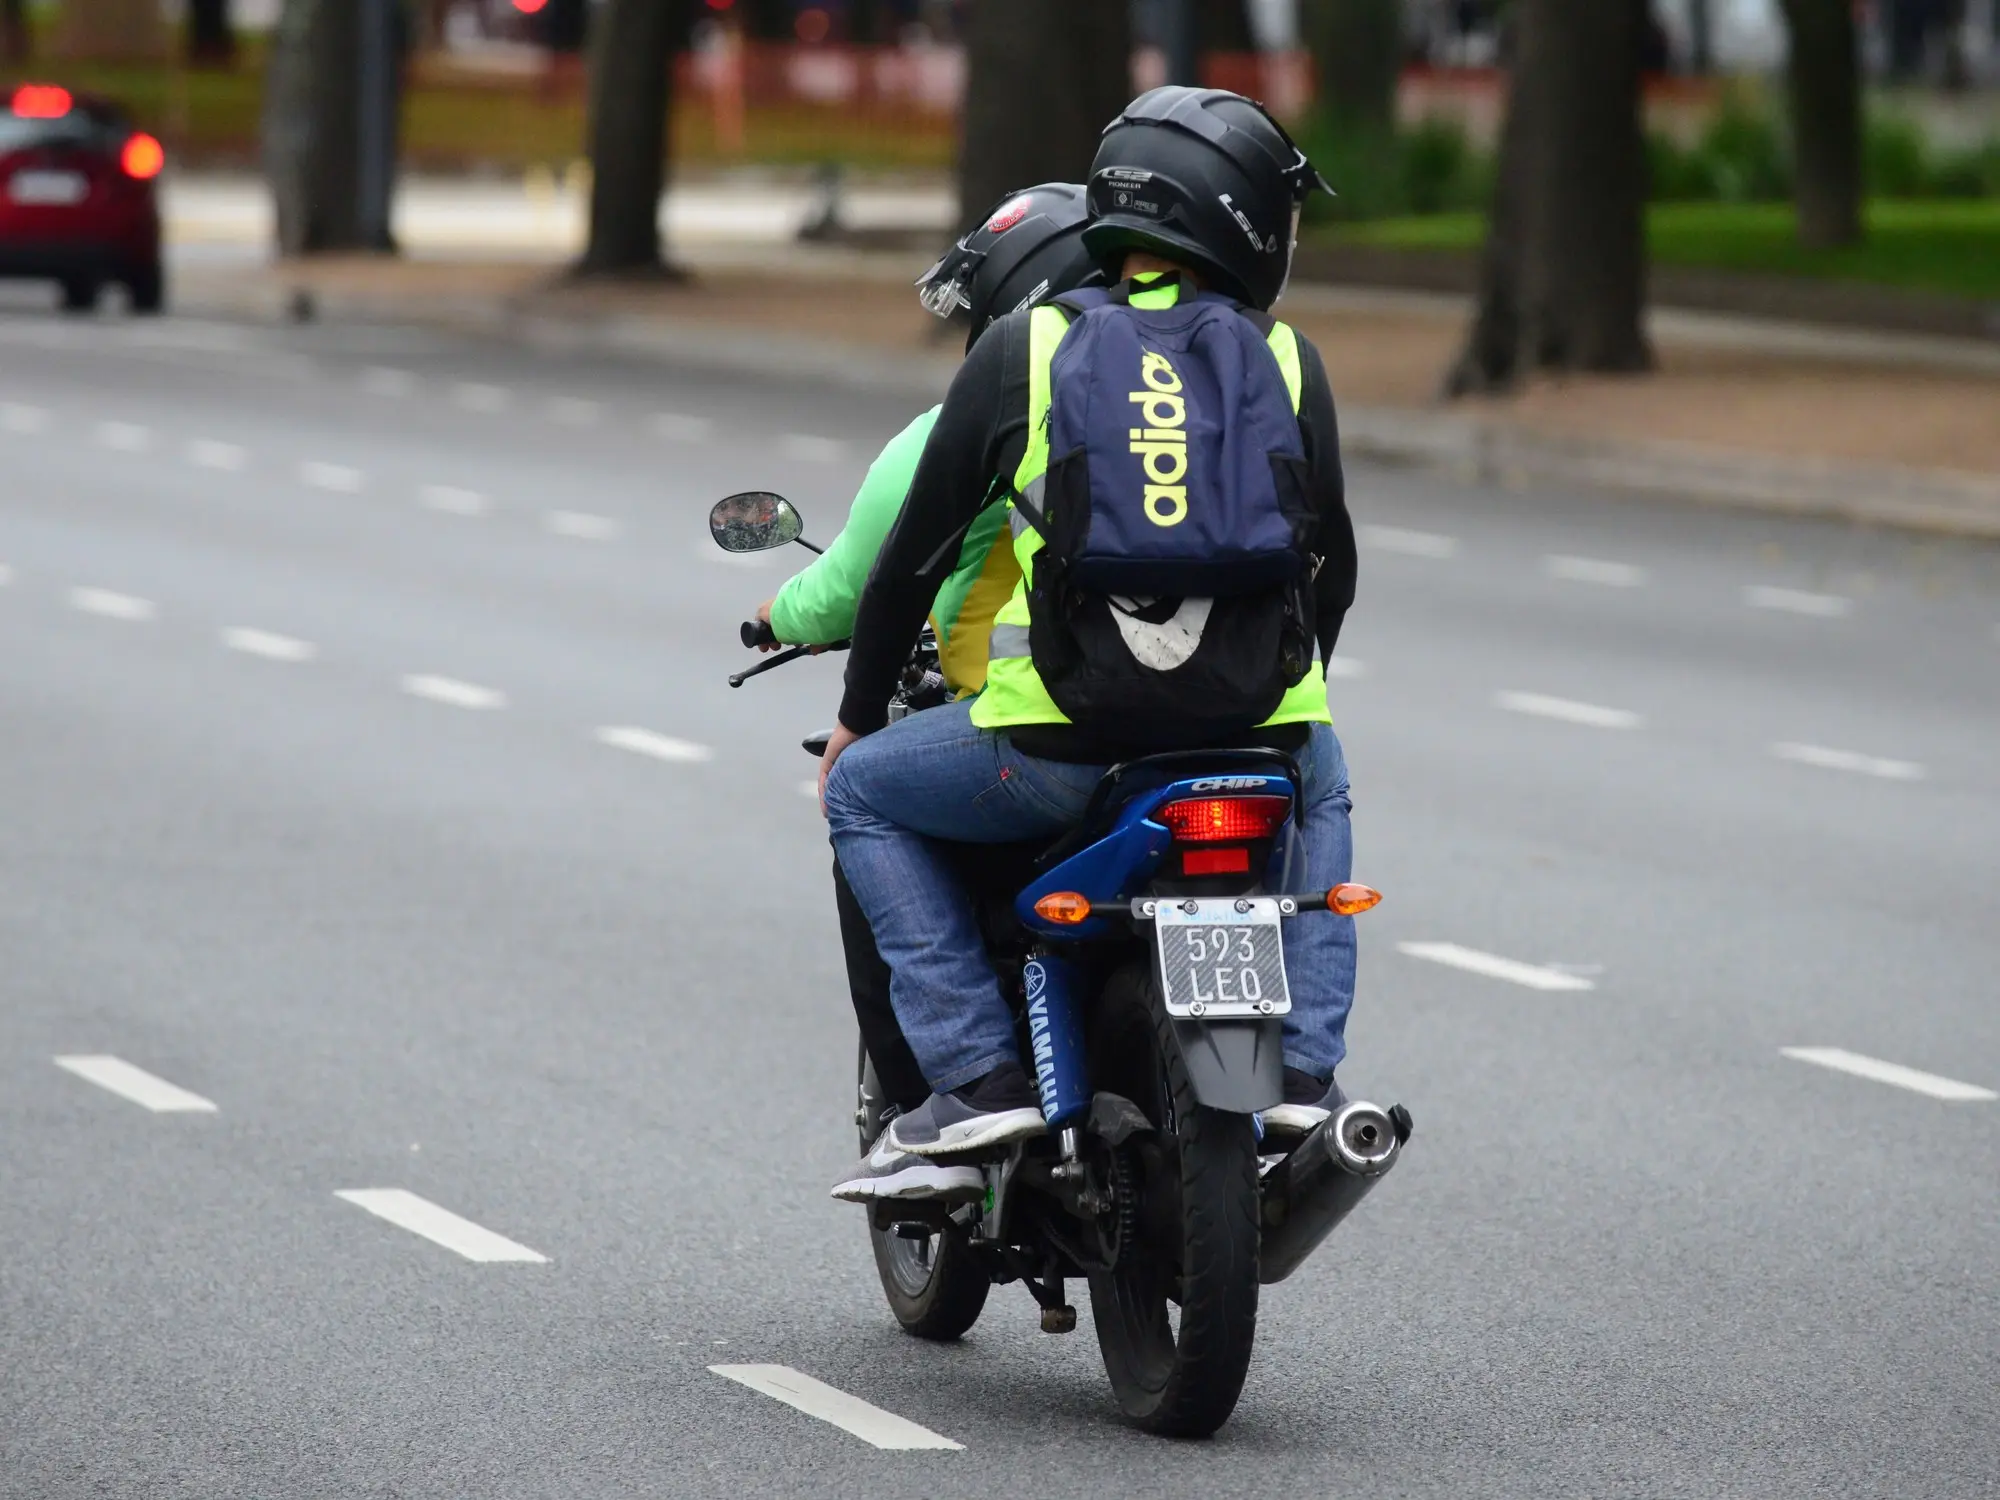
x,y
1206,177
1029,247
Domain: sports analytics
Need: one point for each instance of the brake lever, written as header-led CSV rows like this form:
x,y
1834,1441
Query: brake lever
x,y
737,679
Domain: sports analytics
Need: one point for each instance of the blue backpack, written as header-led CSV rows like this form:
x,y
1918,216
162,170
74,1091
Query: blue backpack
x,y
1172,602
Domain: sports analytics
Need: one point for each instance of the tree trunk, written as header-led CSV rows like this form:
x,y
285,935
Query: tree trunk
x,y
1825,78
1223,26
1563,280
211,40
1357,51
313,133
1701,38
15,44
631,99
110,31
1043,79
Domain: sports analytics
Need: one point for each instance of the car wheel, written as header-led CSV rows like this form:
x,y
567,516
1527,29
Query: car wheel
x,y
79,294
148,289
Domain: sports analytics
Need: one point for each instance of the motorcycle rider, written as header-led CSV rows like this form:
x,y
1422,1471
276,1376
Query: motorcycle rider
x,y
1027,248
1191,190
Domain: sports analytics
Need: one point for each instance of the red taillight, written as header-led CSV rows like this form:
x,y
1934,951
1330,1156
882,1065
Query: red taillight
x,y
41,101
1215,861
143,157
1224,820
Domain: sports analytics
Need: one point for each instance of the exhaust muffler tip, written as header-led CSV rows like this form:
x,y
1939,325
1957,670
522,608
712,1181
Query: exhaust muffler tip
x,y
1365,1138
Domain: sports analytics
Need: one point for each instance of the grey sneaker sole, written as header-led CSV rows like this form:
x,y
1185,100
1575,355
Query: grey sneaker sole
x,y
920,1179
976,1134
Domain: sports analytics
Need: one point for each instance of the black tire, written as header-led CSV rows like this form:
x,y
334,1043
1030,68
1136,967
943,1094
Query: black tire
x,y
147,290
1198,1232
935,1285
79,294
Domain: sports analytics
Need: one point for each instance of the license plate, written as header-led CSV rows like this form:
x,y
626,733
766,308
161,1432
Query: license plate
x,y
48,187
1222,957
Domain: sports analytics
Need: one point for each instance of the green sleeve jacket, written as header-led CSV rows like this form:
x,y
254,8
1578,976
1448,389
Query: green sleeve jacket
x,y
818,605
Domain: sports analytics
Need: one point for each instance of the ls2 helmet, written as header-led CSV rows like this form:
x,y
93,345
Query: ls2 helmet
x,y
1028,248
1204,177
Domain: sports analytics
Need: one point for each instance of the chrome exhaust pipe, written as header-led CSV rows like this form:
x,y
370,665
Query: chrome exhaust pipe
x,y
1306,1195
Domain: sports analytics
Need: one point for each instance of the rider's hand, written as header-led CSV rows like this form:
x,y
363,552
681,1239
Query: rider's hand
x,y
764,614
841,738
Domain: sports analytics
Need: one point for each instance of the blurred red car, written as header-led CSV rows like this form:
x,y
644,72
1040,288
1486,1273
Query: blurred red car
x,y
77,201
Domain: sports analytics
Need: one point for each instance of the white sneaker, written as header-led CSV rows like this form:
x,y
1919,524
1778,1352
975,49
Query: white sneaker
x,y
886,1172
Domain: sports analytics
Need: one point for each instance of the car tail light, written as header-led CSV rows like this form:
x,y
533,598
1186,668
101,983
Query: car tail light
x,y
41,101
142,157
1224,820
1215,861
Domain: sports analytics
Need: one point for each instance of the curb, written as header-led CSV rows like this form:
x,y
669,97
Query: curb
x,y
1489,452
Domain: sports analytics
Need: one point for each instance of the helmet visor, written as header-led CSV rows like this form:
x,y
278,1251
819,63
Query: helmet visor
x,y
945,288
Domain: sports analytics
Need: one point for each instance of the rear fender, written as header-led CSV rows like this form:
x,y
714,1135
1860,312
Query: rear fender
x,y
1236,1066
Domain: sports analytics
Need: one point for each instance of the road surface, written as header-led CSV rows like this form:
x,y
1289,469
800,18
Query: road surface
x,y
423,1053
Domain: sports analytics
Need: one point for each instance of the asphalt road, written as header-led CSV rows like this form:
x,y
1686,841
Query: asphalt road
x,y
311,641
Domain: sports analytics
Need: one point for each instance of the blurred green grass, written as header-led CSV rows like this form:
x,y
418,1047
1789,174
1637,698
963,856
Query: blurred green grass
x,y
1951,247
212,117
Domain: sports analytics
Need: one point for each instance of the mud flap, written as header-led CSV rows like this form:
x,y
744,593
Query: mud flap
x,y
1234,1065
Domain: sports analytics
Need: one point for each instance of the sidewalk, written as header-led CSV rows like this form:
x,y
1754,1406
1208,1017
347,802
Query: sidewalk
x,y
1892,431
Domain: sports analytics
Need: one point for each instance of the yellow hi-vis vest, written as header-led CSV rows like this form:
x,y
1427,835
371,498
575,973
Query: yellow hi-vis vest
x,y
1014,692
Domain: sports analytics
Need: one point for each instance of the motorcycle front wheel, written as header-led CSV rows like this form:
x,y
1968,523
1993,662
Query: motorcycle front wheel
x,y
935,1286
1177,1315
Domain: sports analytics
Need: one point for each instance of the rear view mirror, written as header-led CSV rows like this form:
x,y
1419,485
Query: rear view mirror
x,y
754,521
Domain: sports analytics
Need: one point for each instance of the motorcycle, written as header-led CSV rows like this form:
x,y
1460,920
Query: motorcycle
x,y
1141,954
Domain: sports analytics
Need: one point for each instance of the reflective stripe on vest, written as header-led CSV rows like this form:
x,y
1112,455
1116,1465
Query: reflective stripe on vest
x,y
1014,691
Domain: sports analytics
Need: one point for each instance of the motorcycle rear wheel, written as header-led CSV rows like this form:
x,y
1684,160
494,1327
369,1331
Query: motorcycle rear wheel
x,y
1199,1235
935,1285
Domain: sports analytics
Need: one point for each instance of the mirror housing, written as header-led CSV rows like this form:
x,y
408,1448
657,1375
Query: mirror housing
x,y
754,521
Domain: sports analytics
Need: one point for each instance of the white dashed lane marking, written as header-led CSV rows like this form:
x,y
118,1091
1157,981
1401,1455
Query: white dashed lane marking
x,y
268,644
1430,544
581,525
1346,666
453,501
325,476
1611,575
1851,761
818,450
1798,601
123,437
1843,1061
676,428
1492,966
207,453
440,1226
658,746
15,417
483,398
6,575
1568,710
135,1084
112,605
450,690
849,1413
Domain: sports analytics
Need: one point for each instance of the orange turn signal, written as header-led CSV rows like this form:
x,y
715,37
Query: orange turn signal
x,y
1064,908
142,157
1351,900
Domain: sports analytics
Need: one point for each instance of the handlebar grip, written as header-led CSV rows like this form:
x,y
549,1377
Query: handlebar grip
x,y
757,633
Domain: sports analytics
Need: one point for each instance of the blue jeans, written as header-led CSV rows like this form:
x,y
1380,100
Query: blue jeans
x,y
933,776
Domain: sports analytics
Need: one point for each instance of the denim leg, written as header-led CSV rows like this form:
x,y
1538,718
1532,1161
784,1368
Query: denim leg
x,y
935,776
1320,950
